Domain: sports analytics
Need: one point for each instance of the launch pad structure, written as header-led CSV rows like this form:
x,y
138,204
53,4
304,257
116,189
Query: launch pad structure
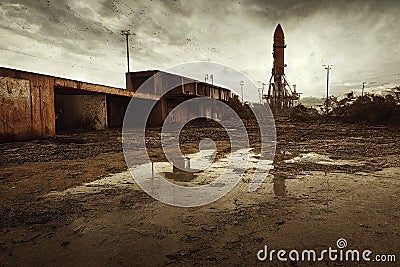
x,y
280,94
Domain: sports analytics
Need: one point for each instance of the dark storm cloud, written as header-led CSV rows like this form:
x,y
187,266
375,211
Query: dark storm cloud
x,y
294,9
56,23
59,24
276,10
358,36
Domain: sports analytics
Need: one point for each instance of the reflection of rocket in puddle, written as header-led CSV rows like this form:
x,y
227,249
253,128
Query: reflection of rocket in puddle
x,y
279,186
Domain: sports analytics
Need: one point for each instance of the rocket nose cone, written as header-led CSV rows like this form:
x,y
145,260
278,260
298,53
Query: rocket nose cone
x,y
279,32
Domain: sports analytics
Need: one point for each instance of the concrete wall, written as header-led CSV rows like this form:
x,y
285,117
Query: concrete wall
x,y
26,106
81,112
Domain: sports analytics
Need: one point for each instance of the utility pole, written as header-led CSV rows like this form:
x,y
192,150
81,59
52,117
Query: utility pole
x,y
362,90
127,33
241,88
363,86
328,68
261,94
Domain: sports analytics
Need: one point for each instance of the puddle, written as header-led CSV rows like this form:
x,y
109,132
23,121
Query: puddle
x,y
279,186
122,179
323,160
329,190
198,161
325,186
201,160
392,172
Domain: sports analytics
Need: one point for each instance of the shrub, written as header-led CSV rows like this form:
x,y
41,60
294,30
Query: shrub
x,y
302,113
369,109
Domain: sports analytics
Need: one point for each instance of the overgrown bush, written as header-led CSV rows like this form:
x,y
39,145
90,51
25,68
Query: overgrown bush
x,y
369,109
302,113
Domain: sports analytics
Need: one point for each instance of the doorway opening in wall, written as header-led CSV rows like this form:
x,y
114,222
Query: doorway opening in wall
x,y
116,108
79,110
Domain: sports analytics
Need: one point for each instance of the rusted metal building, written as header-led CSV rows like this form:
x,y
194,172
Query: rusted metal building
x,y
176,89
35,105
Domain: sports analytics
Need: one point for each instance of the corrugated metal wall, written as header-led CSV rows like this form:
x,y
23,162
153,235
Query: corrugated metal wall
x,y
26,106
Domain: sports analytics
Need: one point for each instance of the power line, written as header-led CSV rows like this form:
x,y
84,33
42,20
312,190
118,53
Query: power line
x,y
377,77
52,60
369,78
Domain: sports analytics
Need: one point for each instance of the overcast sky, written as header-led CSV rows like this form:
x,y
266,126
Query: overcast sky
x,y
80,39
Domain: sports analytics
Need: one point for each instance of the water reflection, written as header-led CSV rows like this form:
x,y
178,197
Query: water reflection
x,y
279,185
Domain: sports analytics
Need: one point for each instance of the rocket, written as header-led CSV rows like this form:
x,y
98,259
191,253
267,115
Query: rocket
x,y
278,70
280,95
278,52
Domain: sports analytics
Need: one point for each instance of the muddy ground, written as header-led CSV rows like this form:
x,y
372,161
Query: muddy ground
x,y
329,181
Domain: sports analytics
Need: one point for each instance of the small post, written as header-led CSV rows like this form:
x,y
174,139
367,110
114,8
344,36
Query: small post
x,y
187,163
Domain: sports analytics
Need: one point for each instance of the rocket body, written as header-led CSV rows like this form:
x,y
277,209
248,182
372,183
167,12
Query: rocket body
x,y
280,95
278,70
279,52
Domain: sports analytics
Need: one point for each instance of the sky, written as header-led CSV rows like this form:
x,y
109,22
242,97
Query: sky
x,y
81,40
